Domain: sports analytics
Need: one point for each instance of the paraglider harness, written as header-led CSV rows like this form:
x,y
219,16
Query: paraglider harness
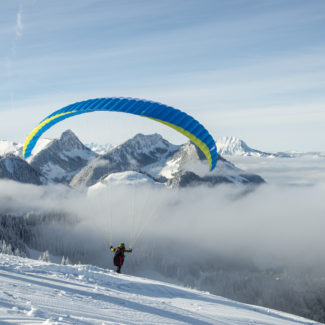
x,y
119,255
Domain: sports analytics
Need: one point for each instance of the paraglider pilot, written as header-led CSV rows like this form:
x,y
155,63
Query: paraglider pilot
x,y
119,255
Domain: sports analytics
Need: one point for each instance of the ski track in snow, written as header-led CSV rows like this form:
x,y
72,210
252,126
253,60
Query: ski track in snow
x,y
35,292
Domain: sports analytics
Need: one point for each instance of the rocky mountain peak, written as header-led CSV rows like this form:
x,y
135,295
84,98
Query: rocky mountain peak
x,y
150,138
62,158
141,153
69,141
147,143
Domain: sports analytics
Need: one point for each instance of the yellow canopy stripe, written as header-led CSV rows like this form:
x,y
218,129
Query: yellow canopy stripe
x,y
192,137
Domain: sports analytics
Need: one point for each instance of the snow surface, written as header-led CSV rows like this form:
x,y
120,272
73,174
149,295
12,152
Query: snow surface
x,y
36,292
123,178
231,146
171,168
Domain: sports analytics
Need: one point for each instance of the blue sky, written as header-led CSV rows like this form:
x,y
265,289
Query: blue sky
x,y
250,69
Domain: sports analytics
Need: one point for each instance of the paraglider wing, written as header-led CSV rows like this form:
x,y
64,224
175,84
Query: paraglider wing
x,y
167,115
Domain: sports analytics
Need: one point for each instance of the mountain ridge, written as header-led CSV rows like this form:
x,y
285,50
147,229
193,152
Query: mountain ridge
x,y
227,146
68,161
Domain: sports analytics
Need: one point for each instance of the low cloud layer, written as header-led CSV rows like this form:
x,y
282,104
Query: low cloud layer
x,y
272,224
307,170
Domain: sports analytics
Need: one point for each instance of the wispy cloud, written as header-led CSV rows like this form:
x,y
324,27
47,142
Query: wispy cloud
x,y
19,23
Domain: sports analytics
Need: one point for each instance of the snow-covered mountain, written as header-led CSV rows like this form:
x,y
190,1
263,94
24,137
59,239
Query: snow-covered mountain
x,y
37,292
62,158
231,146
67,160
177,166
188,167
14,168
135,154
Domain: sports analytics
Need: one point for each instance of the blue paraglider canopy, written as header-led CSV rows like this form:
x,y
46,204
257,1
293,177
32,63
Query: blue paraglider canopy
x,y
167,115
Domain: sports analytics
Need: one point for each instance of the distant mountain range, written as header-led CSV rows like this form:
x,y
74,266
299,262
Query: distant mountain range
x,y
227,146
231,146
68,161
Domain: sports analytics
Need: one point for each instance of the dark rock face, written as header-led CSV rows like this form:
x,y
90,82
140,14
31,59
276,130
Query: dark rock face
x,y
252,178
17,169
186,179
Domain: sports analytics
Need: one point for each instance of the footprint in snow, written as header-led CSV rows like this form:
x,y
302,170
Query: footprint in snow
x,y
34,312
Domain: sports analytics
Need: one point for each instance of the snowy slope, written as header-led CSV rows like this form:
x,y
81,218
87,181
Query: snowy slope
x,y
35,292
189,167
123,178
231,146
